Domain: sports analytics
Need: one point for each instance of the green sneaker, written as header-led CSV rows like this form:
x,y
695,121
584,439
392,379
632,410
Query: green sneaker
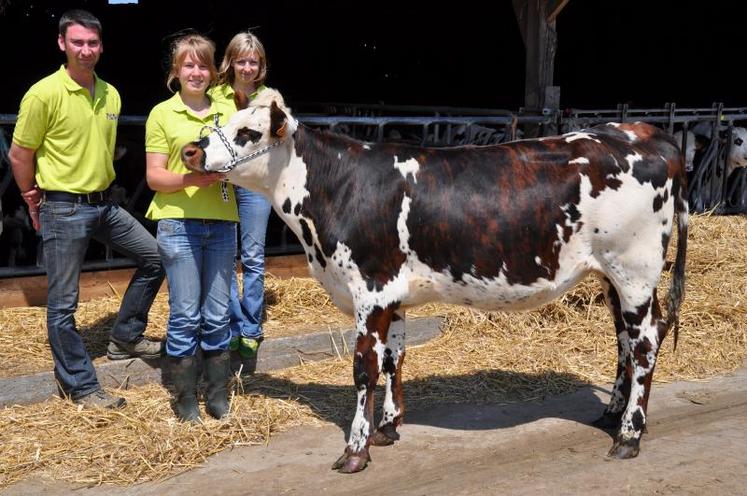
x,y
248,348
233,345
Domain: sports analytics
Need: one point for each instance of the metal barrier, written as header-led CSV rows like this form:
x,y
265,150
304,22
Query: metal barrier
x,y
20,254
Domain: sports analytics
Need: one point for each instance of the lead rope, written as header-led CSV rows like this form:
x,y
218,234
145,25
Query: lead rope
x,y
216,129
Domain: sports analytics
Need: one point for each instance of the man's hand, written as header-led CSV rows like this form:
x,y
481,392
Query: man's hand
x,y
33,199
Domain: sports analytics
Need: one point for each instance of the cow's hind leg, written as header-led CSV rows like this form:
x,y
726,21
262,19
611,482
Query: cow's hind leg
x,y
394,407
610,419
372,325
645,330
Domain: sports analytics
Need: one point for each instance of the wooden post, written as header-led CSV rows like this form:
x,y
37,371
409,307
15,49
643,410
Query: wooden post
x,y
536,20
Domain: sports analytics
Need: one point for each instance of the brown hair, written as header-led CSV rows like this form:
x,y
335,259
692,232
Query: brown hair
x,y
78,16
200,48
243,42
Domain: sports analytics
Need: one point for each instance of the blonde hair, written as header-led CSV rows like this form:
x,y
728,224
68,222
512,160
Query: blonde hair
x,y
243,42
200,48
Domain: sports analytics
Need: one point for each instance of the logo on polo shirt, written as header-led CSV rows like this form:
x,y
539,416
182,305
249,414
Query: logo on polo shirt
x,y
112,117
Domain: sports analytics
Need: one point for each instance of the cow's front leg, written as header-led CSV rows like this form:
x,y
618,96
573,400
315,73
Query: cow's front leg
x,y
394,406
644,340
372,328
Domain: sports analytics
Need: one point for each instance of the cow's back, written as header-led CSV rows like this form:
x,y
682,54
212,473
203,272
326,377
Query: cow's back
x,y
505,226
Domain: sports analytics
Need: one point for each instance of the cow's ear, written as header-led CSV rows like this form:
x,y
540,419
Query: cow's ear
x,y
278,121
240,100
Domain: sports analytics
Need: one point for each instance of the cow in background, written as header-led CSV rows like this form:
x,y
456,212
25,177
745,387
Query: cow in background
x,y
711,185
504,227
700,136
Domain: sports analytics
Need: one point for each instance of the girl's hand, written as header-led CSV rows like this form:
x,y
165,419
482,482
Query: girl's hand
x,y
202,179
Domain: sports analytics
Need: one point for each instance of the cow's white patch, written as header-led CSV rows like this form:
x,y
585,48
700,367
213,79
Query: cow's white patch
x,y
360,427
409,166
580,161
404,234
625,240
395,343
366,146
379,348
290,182
570,137
632,158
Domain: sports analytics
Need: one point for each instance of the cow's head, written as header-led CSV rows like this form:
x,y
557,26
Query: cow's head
x,y
738,149
247,143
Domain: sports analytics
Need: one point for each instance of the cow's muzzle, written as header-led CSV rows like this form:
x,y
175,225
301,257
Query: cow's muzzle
x,y
193,157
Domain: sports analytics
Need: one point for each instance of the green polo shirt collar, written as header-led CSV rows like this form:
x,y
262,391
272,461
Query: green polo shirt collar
x,y
175,104
227,92
73,87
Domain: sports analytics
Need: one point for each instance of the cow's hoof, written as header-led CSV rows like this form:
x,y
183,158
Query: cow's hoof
x,y
624,449
384,435
350,463
608,421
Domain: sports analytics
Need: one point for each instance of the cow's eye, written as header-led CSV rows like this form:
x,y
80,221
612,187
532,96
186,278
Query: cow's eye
x,y
245,135
738,141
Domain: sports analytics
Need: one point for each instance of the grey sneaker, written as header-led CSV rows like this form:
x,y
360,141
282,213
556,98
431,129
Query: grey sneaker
x,y
145,348
101,399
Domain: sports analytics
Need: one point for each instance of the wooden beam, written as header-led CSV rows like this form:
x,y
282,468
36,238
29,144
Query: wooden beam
x,y
32,291
536,19
541,45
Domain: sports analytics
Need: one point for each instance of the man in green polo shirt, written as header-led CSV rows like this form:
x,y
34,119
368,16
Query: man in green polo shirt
x,y
61,156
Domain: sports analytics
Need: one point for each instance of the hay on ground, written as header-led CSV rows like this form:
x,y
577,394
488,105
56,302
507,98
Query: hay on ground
x,y
481,356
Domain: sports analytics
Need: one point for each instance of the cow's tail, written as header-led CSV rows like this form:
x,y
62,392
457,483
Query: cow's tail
x,y
677,287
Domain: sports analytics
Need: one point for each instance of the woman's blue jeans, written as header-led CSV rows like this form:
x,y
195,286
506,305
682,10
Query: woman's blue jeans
x,y
67,229
198,256
246,309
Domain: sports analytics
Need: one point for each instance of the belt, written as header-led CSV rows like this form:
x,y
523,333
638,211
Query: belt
x,y
90,198
208,221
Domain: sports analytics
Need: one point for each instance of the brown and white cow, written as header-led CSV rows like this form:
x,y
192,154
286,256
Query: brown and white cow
x,y
503,227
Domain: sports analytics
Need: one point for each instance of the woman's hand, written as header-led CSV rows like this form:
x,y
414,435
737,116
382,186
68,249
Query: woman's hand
x,y
202,179
161,179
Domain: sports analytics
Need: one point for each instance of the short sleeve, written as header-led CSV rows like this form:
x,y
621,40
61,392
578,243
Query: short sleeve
x,y
32,122
155,133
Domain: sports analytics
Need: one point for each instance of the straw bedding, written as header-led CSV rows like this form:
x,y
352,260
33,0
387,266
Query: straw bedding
x,y
562,346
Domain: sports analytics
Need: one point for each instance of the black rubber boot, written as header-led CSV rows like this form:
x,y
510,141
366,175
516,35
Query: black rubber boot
x,y
217,374
184,376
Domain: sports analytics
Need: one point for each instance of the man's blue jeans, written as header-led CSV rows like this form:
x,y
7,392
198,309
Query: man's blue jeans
x,y
246,309
67,229
198,256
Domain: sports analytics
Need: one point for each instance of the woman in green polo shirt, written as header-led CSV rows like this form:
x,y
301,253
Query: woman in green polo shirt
x,y
244,69
197,217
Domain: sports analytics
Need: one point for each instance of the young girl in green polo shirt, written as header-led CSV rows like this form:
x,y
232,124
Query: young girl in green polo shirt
x,y
197,218
244,69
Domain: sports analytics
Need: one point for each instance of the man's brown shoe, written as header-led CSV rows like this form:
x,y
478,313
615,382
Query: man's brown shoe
x,y
145,348
100,399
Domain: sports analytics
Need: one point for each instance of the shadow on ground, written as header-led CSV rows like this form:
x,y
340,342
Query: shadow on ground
x,y
484,400
96,334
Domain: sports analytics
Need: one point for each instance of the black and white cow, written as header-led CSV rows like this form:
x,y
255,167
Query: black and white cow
x,y
699,138
502,227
